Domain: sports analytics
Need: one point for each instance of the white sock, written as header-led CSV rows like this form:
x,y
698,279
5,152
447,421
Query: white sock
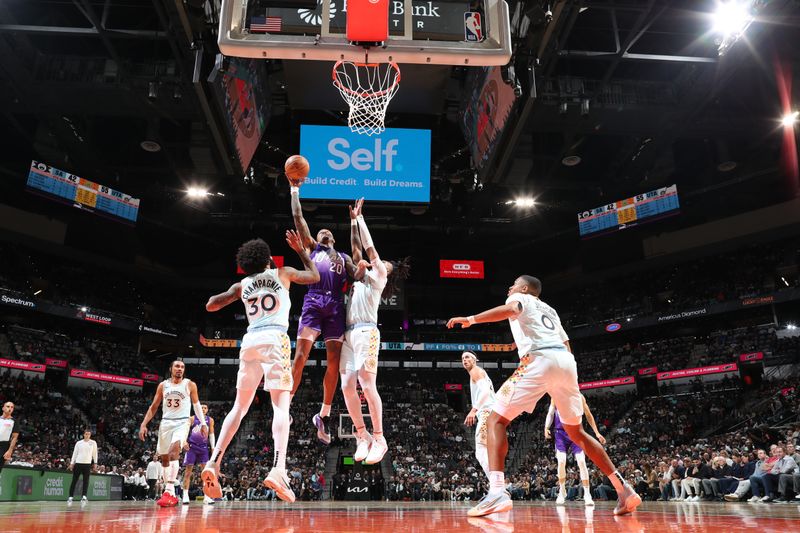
x,y
172,475
280,426
497,481
325,411
562,487
617,480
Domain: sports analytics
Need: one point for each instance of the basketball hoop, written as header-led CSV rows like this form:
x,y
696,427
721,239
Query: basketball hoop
x,y
367,88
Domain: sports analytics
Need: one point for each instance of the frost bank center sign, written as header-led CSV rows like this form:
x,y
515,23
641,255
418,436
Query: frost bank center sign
x,y
394,166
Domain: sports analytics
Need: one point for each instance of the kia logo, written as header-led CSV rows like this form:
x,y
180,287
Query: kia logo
x,y
461,266
357,489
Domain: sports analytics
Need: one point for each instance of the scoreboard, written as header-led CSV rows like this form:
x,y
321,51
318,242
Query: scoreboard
x,y
623,214
82,193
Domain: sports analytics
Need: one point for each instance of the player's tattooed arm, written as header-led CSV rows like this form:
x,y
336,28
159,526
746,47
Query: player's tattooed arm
x,y
218,301
302,277
300,222
496,314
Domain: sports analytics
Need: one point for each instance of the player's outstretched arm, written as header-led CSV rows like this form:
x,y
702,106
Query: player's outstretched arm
x,y
590,419
496,314
302,277
218,301
198,408
299,221
151,411
369,246
548,421
355,241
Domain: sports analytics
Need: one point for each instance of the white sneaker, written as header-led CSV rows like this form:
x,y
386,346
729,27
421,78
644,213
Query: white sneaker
x,y
362,448
84,499
377,450
627,501
278,481
587,499
562,497
766,499
208,501
69,500
492,503
186,497
754,499
210,477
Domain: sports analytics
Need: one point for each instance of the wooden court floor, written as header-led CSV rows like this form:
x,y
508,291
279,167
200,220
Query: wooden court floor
x,y
390,517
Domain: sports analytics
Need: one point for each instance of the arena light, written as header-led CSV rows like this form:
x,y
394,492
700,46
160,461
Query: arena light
x,y
84,309
37,293
784,281
730,21
788,120
197,192
791,326
525,202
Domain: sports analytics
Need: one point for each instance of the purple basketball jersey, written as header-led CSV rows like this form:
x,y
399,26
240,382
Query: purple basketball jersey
x,y
332,274
196,438
562,440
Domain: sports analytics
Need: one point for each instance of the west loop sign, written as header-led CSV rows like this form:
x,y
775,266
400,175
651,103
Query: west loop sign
x,y
434,20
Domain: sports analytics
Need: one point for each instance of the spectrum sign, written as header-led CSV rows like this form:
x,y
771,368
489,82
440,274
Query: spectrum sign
x,y
461,268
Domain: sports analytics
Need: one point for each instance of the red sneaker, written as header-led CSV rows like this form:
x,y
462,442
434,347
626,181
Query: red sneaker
x,y
167,500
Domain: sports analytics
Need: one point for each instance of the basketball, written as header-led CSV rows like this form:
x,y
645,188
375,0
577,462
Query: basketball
x,y
296,168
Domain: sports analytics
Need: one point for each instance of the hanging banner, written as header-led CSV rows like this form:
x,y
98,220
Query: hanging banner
x,y
699,371
648,371
603,383
755,356
100,376
57,363
153,378
453,387
22,365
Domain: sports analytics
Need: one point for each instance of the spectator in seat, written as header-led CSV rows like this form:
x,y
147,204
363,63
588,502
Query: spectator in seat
x,y
665,479
692,483
678,475
768,483
719,471
790,479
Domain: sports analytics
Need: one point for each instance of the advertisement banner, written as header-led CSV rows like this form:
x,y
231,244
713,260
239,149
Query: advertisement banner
x,y
699,371
387,346
648,371
28,484
603,383
755,356
57,363
453,387
22,365
145,328
17,301
461,268
499,347
153,378
100,376
394,166
357,487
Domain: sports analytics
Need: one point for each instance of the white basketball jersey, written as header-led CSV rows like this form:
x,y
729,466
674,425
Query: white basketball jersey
x,y
479,389
537,326
177,403
266,300
366,298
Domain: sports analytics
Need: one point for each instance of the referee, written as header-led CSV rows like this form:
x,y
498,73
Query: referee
x,y
83,457
9,433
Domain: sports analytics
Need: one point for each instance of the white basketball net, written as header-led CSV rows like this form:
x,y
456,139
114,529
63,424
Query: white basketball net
x,y
367,88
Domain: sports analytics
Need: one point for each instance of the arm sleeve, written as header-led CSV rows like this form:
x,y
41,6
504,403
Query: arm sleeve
x,y
74,453
548,421
94,452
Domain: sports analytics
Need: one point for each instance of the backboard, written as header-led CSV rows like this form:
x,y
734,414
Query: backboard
x,y
420,31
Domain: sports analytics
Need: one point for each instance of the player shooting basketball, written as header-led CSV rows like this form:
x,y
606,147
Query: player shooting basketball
x,y
323,305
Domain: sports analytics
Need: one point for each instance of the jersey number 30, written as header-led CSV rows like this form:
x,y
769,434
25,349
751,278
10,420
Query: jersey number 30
x,y
267,303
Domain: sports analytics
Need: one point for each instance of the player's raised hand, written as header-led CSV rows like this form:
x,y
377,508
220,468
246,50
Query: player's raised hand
x,y
142,433
355,211
547,433
294,241
361,268
462,320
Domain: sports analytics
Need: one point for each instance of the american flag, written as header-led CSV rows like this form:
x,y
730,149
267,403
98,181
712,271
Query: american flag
x,y
265,24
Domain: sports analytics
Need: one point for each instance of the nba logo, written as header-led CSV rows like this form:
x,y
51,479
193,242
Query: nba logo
x,y
472,27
